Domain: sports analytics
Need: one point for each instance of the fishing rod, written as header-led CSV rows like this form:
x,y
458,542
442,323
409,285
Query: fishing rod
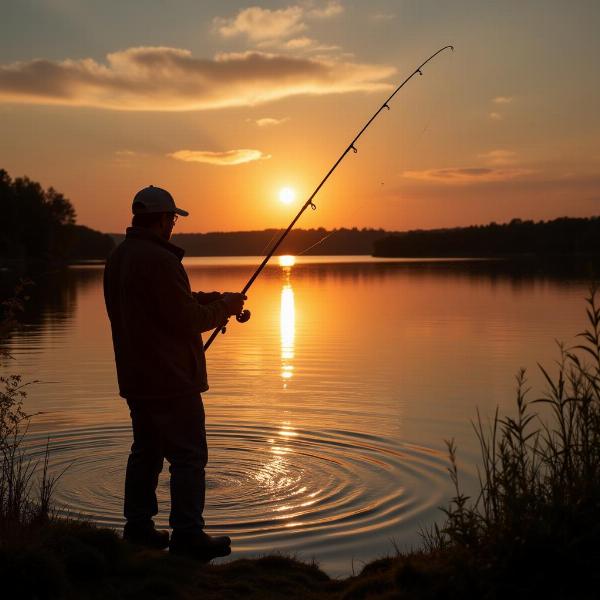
x,y
245,314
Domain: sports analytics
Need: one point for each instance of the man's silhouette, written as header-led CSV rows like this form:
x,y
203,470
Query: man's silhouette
x,y
156,322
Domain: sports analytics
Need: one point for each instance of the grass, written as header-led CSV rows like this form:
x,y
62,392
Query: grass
x,y
25,500
532,531
535,524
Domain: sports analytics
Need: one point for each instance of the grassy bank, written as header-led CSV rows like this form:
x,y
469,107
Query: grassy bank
x,y
533,531
78,561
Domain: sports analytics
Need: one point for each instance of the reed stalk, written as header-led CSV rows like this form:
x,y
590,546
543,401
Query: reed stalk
x,y
539,479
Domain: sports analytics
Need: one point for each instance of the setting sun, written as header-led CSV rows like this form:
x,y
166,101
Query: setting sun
x,y
287,260
287,195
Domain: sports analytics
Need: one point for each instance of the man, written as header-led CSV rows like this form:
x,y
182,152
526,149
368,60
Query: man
x,y
156,322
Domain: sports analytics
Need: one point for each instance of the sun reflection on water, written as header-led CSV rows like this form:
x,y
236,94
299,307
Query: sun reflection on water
x,y
287,320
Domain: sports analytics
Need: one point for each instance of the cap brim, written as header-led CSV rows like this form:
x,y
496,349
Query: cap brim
x,y
183,213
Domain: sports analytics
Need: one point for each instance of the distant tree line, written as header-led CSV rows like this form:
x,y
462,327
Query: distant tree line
x,y
256,243
41,224
560,236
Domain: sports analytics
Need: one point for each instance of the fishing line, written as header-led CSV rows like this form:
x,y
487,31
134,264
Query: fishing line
x,y
316,243
268,244
360,206
245,315
414,147
328,235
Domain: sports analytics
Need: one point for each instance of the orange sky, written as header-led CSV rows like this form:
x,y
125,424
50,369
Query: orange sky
x,y
225,103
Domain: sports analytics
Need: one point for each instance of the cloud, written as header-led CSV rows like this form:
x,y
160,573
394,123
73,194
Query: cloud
x,y
331,9
269,121
226,158
171,79
125,157
382,17
299,43
260,24
305,44
502,100
265,25
466,175
499,157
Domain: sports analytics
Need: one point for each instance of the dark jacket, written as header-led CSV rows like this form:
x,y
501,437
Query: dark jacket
x,y
156,321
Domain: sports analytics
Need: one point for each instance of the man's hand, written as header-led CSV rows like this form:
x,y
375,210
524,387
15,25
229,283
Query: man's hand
x,y
234,301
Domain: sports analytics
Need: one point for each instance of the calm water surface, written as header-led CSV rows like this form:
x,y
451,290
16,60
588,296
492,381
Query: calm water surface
x,y
327,410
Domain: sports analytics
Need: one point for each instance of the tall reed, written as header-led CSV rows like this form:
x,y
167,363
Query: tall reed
x,y
24,498
539,480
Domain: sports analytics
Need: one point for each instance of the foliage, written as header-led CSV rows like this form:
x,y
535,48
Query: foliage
x,y
22,503
537,516
10,309
40,224
256,243
88,244
560,236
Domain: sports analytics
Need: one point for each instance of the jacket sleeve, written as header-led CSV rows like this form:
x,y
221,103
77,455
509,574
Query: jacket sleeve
x,y
178,306
206,297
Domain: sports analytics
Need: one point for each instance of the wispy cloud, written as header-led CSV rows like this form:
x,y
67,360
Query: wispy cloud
x,y
226,158
329,9
502,99
304,45
499,101
126,158
263,24
382,17
171,79
499,158
268,121
466,175
300,43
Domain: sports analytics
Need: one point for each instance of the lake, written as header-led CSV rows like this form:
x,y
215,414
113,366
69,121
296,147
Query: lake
x,y
327,411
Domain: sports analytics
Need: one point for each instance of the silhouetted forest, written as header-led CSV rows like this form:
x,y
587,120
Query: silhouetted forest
x,y
560,236
40,224
566,236
257,243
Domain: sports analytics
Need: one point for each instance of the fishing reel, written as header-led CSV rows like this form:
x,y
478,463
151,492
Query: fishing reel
x,y
244,316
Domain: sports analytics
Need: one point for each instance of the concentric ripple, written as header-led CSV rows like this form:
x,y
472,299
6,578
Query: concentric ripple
x,y
270,488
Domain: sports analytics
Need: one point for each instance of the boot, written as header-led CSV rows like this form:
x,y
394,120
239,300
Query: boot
x,y
146,535
199,545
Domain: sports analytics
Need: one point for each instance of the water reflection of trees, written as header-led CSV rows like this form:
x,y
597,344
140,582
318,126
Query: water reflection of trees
x,y
53,295
522,273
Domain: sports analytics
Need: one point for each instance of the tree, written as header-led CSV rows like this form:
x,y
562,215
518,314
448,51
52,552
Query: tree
x,y
40,224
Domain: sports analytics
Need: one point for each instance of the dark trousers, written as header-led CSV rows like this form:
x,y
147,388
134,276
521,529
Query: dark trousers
x,y
175,431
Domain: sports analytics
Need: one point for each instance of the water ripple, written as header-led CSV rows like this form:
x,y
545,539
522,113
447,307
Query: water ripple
x,y
265,484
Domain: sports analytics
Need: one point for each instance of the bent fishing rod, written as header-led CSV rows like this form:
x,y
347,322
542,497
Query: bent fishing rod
x,y
245,314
